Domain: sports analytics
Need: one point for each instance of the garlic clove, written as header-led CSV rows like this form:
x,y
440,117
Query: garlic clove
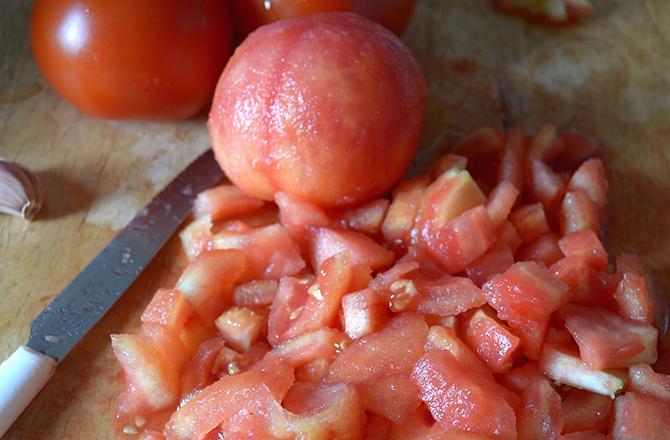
x,y
20,191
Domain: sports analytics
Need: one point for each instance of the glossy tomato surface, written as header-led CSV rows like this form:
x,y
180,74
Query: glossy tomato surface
x,y
250,14
153,59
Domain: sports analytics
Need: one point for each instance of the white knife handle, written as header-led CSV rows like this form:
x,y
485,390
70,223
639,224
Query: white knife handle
x,y
22,376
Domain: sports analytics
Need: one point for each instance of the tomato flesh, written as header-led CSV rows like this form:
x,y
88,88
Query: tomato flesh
x,y
540,414
637,416
586,411
461,400
493,343
607,340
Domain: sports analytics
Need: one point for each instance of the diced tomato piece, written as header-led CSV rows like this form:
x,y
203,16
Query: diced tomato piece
x,y
643,379
152,381
586,411
590,177
270,252
452,194
495,261
501,201
447,295
256,293
247,401
543,249
583,281
297,216
539,416
400,216
480,141
525,292
286,307
235,226
296,212
546,185
198,372
637,416
196,237
400,270
482,147
366,218
230,362
240,327
313,371
493,342
363,250
377,356
377,428
224,201
447,162
444,338
587,245
461,400
194,333
395,349
168,342
584,435
364,312
324,411
567,368
267,215
420,426
634,300
517,379
525,296
578,213
301,350
394,397
324,297
462,240
530,221
577,149
546,145
607,340
630,263
560,337
207,283
507,235
152,435
532,335
169,309
511,164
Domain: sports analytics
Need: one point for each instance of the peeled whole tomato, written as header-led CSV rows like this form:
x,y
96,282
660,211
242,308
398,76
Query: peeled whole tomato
x,y
328,107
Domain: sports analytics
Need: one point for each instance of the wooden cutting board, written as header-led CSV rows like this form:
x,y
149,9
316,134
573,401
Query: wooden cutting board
x,y
609,78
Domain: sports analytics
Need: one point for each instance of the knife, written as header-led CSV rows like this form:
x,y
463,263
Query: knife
x,y
64,322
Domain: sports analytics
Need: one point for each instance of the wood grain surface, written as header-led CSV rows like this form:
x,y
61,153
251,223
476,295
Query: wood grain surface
x,y
608,77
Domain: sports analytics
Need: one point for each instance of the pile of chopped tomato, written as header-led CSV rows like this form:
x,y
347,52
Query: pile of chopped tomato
x,y
476,302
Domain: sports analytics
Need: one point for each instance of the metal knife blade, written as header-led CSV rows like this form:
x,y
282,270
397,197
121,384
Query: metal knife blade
x,y
59,327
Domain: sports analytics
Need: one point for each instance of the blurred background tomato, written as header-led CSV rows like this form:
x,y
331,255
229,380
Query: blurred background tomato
x,y
250,14
136,59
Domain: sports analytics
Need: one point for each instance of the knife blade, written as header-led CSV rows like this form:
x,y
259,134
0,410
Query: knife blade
x,y
67,319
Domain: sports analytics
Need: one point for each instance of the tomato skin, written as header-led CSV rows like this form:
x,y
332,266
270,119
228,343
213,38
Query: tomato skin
x,y
153,59
251,14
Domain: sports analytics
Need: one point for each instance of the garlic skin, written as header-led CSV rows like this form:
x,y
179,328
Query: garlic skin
x,y
20,191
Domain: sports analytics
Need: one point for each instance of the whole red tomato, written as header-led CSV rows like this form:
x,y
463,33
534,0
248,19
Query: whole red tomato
x,y
135,59
250,14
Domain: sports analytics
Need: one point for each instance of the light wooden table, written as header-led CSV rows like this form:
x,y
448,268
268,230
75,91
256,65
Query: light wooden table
x,y
609,78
